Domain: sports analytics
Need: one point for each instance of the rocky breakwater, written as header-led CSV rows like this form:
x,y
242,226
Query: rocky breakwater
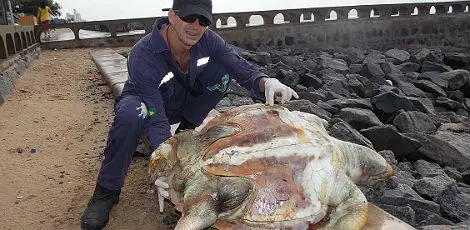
x,y
412,106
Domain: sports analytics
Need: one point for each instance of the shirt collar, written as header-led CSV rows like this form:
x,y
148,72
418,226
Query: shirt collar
x,y
156,39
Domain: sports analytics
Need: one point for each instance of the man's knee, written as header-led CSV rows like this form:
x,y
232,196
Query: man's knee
x,y
130,112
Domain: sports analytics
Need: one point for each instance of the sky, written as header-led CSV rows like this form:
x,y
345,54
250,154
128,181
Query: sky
x,y
95,10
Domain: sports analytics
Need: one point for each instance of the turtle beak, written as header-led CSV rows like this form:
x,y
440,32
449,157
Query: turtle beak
x,y
156,156
378,177
390,172
158,159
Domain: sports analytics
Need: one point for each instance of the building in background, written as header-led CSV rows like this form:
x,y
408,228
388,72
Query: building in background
x,y
75,17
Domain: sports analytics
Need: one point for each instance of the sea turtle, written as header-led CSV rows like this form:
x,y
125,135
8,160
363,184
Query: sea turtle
x,y
257,167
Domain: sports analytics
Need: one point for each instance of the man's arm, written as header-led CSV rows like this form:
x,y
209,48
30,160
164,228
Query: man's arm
x,y
243,71
144,78
247,75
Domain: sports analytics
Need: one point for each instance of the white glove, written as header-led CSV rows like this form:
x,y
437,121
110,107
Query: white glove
x,y
162,192
273,86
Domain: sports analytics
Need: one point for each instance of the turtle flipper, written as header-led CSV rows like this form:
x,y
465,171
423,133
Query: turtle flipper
x,y
201,210
363,165
350,204
198,217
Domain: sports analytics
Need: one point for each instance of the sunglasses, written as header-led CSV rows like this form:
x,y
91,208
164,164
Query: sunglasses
x,y
203,21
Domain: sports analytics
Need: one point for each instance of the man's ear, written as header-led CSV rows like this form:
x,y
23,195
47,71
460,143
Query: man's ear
x,y
171,16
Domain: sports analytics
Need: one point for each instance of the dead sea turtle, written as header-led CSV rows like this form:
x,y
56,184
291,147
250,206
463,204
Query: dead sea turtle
x,y
266,167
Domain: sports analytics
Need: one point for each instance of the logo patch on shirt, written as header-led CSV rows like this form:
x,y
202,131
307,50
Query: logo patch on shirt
x,y
222,88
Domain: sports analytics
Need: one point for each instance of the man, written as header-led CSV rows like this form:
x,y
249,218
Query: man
x,y
177,73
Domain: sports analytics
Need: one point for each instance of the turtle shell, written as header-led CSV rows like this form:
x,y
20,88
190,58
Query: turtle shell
x,y
268,145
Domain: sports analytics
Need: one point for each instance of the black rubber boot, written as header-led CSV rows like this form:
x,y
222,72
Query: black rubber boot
x,y
96,215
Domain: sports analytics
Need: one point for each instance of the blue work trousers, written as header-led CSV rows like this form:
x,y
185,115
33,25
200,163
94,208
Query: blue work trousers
x,y
123,138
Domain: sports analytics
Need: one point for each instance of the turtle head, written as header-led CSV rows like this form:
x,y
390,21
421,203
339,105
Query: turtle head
x,y
371,173
179,150
163,159
371,168
363,165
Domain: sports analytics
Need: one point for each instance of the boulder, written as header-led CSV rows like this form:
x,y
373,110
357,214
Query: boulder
x,y
386,137
414,122
438,150
346,132
404,195
399,56
359,118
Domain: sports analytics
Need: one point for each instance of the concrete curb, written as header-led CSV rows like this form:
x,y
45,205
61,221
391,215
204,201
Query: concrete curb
x,y
113,66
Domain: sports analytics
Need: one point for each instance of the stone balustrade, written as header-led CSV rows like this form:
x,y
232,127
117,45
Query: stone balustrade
x,y
374,26
14,39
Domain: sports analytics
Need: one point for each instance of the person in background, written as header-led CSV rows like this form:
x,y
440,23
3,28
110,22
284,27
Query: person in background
x,y
177,74
53,21
44,16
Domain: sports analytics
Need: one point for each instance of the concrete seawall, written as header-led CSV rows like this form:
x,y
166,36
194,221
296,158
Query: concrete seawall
x,y
366,26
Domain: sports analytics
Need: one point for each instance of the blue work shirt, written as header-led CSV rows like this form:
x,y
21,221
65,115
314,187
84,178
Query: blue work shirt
x,y
211,66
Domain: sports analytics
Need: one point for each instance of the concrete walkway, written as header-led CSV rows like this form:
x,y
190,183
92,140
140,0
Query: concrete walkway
x,y
113,66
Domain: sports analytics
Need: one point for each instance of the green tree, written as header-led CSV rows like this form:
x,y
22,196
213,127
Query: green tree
x,y
30,7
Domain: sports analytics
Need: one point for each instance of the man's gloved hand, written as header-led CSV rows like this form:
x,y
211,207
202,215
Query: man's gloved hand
x,y
162,187
272,86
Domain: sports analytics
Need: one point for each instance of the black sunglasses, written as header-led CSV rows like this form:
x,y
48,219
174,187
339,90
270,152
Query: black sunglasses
x,y
203,21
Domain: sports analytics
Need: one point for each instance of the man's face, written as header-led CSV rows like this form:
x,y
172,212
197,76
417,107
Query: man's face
x,y
189,33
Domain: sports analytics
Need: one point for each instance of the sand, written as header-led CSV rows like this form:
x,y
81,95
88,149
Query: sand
x,y
62,108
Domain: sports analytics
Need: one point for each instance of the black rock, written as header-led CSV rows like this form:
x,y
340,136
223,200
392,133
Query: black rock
x,y
429,86
434,149
455,205
414,122
308,107
427,169
313,97
389,103
386,137
311,80
359,118
405,212
404,195
345,132
434,67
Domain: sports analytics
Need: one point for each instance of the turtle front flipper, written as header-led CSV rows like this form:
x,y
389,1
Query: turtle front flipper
x,y
350,212
200,216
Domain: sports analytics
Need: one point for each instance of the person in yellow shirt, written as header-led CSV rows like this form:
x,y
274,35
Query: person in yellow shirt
x,y
44,16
